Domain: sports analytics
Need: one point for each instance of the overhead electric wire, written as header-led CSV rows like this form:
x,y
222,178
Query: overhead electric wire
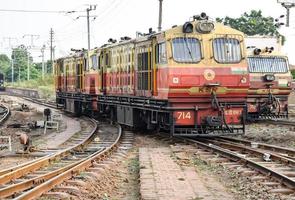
x,y
40,11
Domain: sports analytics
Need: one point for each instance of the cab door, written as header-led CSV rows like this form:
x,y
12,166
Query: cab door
x,y
78,74
66,76
154,67
104,64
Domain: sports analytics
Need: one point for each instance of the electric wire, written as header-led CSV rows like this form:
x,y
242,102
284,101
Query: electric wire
x,y
40,11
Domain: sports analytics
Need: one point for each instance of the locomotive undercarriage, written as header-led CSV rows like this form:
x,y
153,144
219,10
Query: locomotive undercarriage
x,y
268,107
149,114
213,125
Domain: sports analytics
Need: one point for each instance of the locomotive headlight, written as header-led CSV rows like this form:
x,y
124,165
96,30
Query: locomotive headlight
x,y
244,80
205,26
269,77
187,27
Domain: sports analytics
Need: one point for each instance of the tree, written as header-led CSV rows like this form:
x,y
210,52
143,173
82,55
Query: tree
x,y
5,66
21,57
253,23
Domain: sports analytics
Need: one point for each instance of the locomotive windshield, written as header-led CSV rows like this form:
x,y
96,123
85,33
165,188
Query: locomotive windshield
x,y
271,64
227,50
186,50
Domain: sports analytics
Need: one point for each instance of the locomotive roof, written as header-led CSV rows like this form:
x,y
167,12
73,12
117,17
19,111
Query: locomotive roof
x,y
219,29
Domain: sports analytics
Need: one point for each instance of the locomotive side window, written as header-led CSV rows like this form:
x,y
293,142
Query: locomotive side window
x,y
107,60
267,64
227,50
186,50
99,57
161,57
144,70
94,62
61,67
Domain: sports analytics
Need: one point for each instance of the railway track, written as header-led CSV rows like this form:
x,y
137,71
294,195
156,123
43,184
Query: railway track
x,y
271,169
76,142
40,102
82,151
34,179
282,151
4,113
282,122
8,176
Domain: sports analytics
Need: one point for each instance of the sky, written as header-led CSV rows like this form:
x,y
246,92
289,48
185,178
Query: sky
x,y
116,18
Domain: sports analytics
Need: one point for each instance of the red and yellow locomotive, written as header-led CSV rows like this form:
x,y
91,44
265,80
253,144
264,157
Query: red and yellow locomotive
x,y
189,80
270,87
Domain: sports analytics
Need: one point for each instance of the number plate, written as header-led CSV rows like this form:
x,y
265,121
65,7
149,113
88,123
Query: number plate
x,y
184,117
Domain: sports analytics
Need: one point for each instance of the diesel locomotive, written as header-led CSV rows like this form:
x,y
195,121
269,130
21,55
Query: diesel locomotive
x,y
270,84
190,80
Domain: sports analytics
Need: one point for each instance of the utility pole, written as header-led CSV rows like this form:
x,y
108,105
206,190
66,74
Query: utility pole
x,y
12,67
43,63
288,4
53,58
160,16
51,49
28,65
91,8
32,38
10,39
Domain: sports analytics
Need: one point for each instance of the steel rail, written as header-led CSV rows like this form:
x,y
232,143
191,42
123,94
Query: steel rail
x,y
19,172
72,170
5,114
37,101
258,152
277,149
19,187
281,122
248,162
11,169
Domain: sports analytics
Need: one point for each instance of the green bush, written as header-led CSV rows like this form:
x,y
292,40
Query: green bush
x,y
44,86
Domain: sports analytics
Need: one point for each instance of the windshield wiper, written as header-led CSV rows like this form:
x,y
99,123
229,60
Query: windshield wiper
x,y
189,51
272,62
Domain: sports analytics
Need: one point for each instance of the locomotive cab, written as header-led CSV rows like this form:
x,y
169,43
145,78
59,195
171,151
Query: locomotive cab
x,y
207,79
270,79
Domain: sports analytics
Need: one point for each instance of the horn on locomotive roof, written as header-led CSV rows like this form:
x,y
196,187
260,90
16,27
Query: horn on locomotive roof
x,y
111,40
151,31
202,16
268,50
125,38
139,34
77,50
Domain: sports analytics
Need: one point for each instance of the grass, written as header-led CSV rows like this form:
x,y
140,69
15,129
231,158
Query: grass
x,y
44,86
133,166
202,165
